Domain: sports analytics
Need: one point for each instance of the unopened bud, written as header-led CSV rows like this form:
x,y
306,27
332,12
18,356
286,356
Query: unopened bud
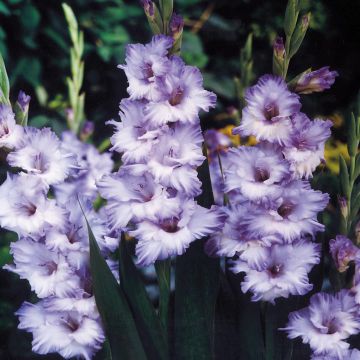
x,y
153,16
279,48
24,101
69,115
21,108
343,251
87,130
176,26
315,81
278,57
148,8
305,21
343,206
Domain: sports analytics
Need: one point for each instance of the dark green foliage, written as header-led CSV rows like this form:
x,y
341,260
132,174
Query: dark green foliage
x,y
196,290
119,324
151,331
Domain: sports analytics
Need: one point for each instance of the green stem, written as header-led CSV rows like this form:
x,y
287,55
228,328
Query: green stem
x,y
349,196
287,58
163,271
268,329
226,197
104,145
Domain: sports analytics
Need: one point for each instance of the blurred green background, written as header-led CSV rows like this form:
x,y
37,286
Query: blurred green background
x,y
35,44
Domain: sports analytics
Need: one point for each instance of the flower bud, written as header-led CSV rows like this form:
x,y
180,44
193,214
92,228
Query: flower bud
x,y
87,130
278,56
153,15
343,251
279,48
21,108
343,206
69,113
315,81
23,101
176,26
148,8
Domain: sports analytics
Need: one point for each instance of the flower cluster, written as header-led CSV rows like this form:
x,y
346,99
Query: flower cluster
x,y
160,140
272,212
52,252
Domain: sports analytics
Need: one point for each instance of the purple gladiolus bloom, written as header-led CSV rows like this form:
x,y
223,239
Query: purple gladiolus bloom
x,y
304,149
326,323
144,65
281,271
268,112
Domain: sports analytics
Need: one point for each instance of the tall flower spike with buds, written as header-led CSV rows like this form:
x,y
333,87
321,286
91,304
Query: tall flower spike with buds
x,y
272,217
160,142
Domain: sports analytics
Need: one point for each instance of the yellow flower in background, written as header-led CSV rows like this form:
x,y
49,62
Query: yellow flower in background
x,y
333,149
235,139
227,130
337,119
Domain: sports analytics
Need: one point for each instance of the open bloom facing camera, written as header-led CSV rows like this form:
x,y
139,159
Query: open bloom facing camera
x,y
270,106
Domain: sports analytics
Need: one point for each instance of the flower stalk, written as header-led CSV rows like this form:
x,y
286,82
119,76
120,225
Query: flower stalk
x,y
75,82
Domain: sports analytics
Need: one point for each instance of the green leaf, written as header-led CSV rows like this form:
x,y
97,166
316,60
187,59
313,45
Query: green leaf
x,y
249,330
246,52
115,313
163,272
5,256
4,9
344,177
32,72
357,166
104,353
353,141
166,8
291,16
292,83
39,121
355,207
72,22
41,95
4,82
220,85
147,322
278,65
197,284
20,116
192,50
299,34
30,18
